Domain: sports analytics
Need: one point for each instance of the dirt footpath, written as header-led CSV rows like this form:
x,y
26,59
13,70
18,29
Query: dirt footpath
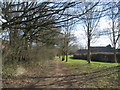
x,y
57,76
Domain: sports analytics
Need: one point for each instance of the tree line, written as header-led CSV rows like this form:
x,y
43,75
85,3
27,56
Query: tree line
x,y
28,25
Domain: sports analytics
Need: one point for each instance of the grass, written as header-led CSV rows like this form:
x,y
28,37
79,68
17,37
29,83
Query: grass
x,y
83,64
103,74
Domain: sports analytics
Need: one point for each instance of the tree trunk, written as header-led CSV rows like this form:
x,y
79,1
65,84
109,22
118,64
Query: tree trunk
x,y
59,56
66,51
114,41
63,57
89,55
115,57
66,57
89,38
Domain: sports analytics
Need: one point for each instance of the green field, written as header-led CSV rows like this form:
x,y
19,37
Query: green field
x,y
82,64
98,74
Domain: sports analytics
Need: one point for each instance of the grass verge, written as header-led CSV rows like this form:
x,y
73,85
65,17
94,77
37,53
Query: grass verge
x,y
97,74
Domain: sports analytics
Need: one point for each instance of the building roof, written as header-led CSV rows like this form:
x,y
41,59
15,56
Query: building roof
x,y
106,49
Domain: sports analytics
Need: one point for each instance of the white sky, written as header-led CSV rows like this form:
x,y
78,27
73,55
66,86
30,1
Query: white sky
x,y
103,40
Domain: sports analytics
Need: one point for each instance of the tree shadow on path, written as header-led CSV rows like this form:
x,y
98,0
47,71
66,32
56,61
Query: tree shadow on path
x,y
70,80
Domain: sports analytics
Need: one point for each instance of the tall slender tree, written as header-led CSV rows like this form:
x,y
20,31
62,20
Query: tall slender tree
x,y
114,30
90,22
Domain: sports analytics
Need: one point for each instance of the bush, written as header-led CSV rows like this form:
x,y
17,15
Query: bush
x,y
31,54
34,56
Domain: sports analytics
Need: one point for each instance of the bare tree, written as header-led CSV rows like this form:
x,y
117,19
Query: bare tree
x,y
33,22
114,30
69,41
90,22
65,42
118,15
69,38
